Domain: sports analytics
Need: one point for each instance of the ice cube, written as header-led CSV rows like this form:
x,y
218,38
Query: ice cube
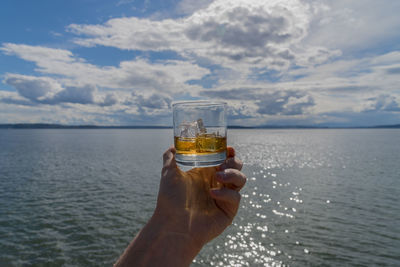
x,y
188,129
201,127
192,129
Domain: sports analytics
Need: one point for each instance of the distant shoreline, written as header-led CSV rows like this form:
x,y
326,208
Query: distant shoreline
x,y
61,126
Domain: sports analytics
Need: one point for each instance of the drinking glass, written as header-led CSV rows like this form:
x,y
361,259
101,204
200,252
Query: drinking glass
x,y
200,129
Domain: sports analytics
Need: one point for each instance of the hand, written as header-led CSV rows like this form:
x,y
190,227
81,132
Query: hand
x,y
202,202
192,208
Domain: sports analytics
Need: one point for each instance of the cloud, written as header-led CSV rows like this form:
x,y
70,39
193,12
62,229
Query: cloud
x,y
243,33
129,34
167,76
155,101
355,27
280,102
35,89
356,119
393,71
382,103
13,98
293,61
140,74
45,90
75,95
109,100
284,103
34,53
260,33
189,6
232,93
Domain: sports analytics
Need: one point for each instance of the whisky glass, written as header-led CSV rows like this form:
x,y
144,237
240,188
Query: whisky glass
x,y
200,129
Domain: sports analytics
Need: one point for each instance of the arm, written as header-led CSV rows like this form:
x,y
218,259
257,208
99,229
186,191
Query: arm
x,y
158,244
192,208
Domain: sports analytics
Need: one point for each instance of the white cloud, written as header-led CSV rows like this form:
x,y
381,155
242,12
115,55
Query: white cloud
x,y
33,88
45,90
130,34
355,25
294,61
109,100
16,109
246,33
166,76
34,53
383,103
189,6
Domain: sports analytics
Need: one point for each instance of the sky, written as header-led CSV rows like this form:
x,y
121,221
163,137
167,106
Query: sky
x,y
275,62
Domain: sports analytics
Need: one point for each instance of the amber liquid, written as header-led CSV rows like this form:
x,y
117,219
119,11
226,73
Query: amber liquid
x,y
201,144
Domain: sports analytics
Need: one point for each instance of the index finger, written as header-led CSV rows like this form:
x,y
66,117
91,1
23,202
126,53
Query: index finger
x,y
168,156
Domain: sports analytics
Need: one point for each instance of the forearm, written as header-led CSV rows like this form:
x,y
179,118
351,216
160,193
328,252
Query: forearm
x,y
158,245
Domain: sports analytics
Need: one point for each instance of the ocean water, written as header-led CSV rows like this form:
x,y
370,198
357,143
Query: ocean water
x,y
313,197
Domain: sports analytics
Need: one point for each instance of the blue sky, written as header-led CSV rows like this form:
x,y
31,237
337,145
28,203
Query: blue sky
x,y
276,62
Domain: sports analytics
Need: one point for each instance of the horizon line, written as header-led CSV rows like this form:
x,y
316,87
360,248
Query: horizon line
x,y
92,126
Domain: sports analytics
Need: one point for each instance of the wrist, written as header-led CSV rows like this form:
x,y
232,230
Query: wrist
x,y
178,229
160,243
168,243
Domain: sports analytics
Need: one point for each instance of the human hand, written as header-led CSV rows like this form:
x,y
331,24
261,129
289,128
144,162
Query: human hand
x,y
202,202
192,208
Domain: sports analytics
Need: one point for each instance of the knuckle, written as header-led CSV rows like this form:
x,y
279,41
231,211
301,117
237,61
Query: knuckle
x,y
230,172
166,154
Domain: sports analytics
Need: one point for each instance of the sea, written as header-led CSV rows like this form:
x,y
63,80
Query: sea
x,y
313,197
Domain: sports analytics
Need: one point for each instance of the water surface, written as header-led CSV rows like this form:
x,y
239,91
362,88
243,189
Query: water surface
x,y
74,197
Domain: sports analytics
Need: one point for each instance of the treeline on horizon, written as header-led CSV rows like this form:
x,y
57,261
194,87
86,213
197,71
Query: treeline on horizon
x,y
61,126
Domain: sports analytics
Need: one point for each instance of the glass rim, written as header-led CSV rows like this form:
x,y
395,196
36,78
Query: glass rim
x,y
193,103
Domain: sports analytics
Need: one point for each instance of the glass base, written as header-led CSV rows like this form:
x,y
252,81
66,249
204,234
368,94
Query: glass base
x,y
196,160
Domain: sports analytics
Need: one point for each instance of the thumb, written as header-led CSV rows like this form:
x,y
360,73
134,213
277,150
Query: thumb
x,y
169,158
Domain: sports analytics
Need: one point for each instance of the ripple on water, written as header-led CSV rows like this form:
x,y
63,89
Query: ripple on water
x,y
313,197
309,202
